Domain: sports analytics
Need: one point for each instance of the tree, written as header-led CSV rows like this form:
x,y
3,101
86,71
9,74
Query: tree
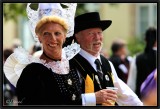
x,y
13,10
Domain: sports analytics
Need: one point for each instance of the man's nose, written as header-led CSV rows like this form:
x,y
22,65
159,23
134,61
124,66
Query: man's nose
x,y
97,36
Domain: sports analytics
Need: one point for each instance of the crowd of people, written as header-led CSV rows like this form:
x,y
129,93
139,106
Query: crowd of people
x,y
69,65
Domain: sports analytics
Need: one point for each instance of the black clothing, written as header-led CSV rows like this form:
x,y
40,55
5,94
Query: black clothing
x,y
38,85
8,91
116,60
146,63
85,68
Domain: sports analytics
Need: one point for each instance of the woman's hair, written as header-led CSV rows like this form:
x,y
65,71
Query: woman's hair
x,y
49,19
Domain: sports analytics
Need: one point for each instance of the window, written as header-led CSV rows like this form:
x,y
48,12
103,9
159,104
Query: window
x,y
155,16
146,17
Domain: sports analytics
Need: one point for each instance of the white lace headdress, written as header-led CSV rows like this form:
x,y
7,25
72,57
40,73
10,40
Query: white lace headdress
x,y
50,9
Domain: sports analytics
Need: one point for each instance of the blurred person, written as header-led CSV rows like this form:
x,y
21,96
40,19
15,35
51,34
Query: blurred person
x,y
120,59
49,79
143,63
8,89
94,68
149,89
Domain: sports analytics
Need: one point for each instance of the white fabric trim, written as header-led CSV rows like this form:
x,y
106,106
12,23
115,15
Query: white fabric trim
x,y
88,99
132,77
126,97
123,68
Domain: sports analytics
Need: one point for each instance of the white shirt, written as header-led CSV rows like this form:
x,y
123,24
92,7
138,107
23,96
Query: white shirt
x,y
126,97
132,77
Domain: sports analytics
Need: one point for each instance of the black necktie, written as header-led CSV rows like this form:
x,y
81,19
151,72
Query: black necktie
x,y
99,70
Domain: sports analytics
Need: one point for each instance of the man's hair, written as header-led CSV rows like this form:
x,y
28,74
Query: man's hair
x,y
117,45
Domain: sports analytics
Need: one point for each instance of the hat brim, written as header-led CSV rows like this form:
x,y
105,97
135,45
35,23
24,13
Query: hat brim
x,y
104,24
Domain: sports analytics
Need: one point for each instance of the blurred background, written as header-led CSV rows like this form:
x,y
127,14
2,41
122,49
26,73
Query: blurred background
x,y
129,23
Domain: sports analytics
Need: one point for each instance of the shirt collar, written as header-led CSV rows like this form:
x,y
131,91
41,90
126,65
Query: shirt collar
x,y
90,58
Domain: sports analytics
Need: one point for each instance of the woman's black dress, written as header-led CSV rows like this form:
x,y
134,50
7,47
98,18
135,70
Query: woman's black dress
x,y
38,85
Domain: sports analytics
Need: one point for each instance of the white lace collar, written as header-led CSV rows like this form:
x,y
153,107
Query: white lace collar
x,y
17,61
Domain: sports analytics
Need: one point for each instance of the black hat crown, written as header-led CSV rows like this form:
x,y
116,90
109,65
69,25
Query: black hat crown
x,y
90,20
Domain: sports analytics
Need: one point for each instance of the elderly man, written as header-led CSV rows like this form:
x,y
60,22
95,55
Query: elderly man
x,y
96,71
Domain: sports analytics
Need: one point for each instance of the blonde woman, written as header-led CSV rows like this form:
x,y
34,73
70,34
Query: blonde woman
x,y
49,79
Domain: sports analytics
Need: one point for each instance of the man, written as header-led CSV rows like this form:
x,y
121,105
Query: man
x,y
143,63
120,59
100,74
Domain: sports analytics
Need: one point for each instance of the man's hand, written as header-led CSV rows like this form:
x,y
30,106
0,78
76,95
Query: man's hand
x,y
106,94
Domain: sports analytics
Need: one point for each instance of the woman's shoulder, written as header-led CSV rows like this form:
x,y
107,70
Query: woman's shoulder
x,y
33,72
34,69
35,66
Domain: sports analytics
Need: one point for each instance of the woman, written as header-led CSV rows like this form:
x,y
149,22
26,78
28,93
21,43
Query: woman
x,y
50,79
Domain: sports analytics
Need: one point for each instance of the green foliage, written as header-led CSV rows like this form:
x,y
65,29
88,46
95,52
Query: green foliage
x,y
12,10
80,9
135,45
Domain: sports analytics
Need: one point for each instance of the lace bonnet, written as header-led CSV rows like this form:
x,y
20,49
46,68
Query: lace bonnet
x,y
54,10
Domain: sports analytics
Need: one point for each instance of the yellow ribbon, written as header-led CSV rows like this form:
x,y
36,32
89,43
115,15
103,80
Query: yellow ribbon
x,y
89,85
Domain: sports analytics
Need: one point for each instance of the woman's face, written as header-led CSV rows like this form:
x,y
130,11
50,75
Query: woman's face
x,y
52,36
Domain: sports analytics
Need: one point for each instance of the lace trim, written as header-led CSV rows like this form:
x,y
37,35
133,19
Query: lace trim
x,y
60,67
71,50
68,15
17,61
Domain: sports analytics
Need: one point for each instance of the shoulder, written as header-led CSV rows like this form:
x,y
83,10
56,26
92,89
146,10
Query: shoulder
x,y
141,57
33,69
104,58
32,73
115,59
35,65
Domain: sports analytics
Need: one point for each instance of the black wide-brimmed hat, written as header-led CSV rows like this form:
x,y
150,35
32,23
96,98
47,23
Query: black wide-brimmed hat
x,y
90,20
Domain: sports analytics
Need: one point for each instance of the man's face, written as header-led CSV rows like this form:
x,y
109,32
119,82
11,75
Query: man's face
x,y
90,40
